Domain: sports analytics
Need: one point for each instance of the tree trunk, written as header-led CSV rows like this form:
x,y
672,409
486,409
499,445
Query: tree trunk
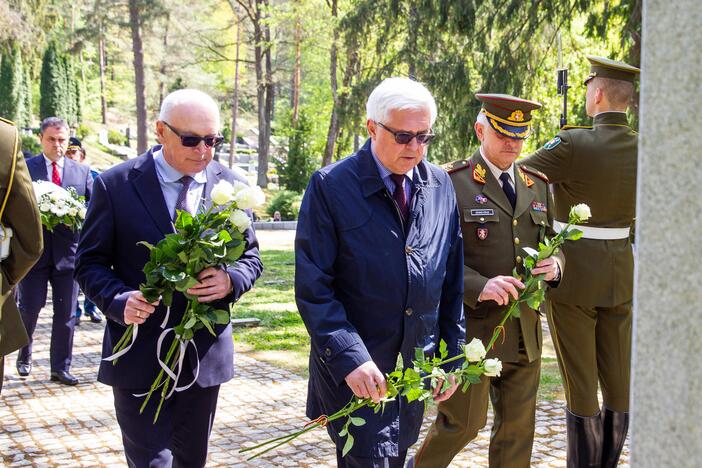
x,y
333,132
235,98
103,97
264,88
140,87
163,69
297,72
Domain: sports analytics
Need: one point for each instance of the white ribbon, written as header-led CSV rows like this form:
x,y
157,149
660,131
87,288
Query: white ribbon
x,y
124,351
165,319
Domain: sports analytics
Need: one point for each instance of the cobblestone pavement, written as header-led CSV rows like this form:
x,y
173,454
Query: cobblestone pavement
x,y
46,424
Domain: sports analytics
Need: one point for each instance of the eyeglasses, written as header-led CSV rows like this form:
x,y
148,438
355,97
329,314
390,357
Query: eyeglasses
x,y
192,141
403,138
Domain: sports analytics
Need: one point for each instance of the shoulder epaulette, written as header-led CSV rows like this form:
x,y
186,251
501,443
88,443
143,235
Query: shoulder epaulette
x,y
9,122
568,127
534,172
456,166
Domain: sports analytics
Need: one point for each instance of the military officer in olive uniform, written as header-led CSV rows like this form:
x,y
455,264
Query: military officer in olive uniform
x,y
503,209
20,228
590,316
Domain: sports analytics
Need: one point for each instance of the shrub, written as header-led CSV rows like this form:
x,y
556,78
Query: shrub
x,y
115,137
287,202
82,131
30,143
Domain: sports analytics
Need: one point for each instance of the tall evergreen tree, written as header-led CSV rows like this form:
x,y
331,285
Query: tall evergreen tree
x,y
11,83
52,88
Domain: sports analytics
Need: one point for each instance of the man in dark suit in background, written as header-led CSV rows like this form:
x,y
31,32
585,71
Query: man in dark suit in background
x,y
136,201
57,262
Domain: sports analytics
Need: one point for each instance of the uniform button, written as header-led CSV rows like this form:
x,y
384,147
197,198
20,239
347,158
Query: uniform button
x,y
519,259
327,352
408,311
516,241
514,222
482,219
543,222
408,249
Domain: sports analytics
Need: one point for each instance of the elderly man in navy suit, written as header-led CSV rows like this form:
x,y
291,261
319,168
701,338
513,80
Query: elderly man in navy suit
x,y
57,262
136,201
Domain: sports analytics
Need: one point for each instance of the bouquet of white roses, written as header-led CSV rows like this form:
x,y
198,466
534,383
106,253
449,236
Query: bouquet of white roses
x,y
212,238
58,205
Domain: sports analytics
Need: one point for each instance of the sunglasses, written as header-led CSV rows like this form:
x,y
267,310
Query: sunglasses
x,y
403,138
192,141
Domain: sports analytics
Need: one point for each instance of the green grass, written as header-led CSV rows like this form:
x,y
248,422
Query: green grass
x,y
282,339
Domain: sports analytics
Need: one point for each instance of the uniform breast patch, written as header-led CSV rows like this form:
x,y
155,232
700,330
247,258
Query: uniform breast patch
x,y
482,212
553,143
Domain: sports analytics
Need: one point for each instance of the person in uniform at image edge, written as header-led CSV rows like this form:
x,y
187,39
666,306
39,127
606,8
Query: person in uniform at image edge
x,y
503,209
590,316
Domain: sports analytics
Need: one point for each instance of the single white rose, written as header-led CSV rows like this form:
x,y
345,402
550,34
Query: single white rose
x,y
581,211
250,197
493,367
475,351
239,186
222,193
241,220
54,209
72,211
60,212
81,212
45,207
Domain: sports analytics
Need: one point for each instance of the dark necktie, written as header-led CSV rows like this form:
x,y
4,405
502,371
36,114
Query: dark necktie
x,y
507,188
182,201
399,195
55,177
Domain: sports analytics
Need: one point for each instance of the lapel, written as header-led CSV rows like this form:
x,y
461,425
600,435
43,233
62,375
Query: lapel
x,y
70,175
145,182
524,194
491,188
368,174
39,167
213,173
424,180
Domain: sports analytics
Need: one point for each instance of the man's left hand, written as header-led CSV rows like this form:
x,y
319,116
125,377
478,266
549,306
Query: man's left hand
x,y
442,396
214,283
549,267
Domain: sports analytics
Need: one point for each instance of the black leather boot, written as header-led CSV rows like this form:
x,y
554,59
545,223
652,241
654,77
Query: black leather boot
x,y
615,425
584,440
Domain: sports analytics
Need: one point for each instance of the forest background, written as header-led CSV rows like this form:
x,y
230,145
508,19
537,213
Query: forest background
x,y
296,73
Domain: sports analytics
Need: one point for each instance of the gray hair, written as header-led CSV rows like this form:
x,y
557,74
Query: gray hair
x,y
399,93
51,122
185,96
482,119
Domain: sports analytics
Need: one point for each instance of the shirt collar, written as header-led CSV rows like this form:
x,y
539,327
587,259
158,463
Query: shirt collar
x,y
384,171
169,174
496,171
48,161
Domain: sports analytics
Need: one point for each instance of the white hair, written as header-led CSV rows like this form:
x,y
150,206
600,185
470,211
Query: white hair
x,y
482,119
399,93
186,96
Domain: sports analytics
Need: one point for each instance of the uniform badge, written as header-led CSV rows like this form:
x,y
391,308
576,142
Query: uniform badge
x,y
553,143
538,206
482,233
482,199
525,178
479,174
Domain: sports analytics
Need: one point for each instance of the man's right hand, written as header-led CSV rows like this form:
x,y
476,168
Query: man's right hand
x,y
499,289
138,309
366,381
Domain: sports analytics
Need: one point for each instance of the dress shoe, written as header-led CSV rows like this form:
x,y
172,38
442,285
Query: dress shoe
x,y
95,315
64,377
24,368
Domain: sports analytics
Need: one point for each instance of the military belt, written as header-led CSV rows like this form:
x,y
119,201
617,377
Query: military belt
x,y
600,233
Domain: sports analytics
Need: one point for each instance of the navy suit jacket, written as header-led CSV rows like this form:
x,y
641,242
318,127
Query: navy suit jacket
x,y
60,245
128,207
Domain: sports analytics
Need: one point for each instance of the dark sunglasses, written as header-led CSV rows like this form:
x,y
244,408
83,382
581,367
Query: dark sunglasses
x,y
404,138
192,141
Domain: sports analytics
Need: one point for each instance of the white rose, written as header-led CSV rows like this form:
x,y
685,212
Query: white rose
x,y
475,351
241,220
222,193
45,207
60,212
493,367
250,197
81,212
72,211
239,186
54,209
581,211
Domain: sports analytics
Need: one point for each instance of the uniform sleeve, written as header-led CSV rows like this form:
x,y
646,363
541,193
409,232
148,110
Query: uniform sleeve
x,y
22,216
452,324
553,159
473,284
560,258
334,339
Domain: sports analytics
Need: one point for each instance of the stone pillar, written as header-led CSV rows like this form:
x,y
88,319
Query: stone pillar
x,y
667,354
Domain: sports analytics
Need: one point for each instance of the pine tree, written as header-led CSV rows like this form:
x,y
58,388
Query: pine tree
x,y
52,88
11,83
25,119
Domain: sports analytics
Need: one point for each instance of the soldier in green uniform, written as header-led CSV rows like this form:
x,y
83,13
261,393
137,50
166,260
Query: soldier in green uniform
x,y
503,209
20,228
590,314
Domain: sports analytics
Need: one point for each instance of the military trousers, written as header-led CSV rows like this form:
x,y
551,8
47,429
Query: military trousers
x,y
461,417
593,346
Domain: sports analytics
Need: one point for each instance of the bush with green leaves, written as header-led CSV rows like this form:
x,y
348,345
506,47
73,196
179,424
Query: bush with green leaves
x,y
287,203
30,143
115,137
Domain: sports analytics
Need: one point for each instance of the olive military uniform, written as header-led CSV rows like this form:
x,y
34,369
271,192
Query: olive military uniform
x,y
21,215
590,315
494,236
